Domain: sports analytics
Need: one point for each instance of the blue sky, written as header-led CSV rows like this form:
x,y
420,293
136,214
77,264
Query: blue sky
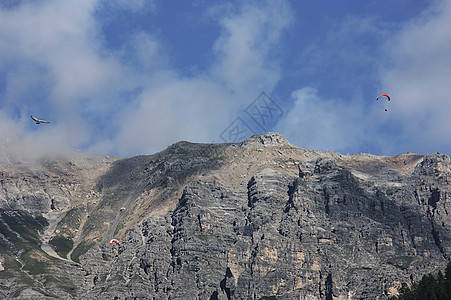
x,y
129,77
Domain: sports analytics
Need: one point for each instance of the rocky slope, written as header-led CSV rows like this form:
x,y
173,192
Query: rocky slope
x,y
249,220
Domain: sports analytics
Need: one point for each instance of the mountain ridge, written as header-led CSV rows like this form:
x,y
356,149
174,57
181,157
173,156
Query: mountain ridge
x,y
252,219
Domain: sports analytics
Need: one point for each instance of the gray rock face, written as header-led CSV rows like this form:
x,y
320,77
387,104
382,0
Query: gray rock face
x,y
247,221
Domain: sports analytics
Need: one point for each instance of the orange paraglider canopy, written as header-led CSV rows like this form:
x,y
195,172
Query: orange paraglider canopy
x,y
383,95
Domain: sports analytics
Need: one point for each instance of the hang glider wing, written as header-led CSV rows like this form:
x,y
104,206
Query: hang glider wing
x,y
38,121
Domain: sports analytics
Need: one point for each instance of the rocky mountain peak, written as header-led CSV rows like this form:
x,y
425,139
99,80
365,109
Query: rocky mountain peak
x,y
270,139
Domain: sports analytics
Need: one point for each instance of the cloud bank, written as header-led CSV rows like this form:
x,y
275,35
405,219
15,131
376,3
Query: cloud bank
x,y
410,62
55,64
419,79
121,92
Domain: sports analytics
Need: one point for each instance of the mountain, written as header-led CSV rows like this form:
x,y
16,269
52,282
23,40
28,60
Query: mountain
x,y
260,219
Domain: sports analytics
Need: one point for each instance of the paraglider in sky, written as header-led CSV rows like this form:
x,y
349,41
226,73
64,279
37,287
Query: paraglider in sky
x,y
38,121
115,241
383,95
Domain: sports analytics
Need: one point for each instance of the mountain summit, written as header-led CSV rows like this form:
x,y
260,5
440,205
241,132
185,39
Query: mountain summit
x,y
251,220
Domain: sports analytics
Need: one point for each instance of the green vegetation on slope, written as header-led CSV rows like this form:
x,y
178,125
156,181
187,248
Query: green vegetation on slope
x,y
61,245
21,229
81,249
430,287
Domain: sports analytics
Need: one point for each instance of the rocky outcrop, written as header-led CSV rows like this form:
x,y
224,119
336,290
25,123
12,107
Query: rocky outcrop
x,y
247,221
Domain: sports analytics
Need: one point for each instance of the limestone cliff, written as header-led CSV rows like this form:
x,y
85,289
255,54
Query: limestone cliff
x,y
248,220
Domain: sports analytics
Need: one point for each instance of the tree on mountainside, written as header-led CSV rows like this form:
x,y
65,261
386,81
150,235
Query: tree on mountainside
x,y
430,287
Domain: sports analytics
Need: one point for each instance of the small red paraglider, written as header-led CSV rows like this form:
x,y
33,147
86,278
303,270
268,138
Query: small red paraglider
x,y
383,95
115,241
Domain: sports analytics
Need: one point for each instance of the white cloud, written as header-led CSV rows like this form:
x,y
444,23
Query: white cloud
x,y
58,69
419,79
174,109
17,142
317,123
60,45
48,56
57,66
199,108
413,66
247,44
